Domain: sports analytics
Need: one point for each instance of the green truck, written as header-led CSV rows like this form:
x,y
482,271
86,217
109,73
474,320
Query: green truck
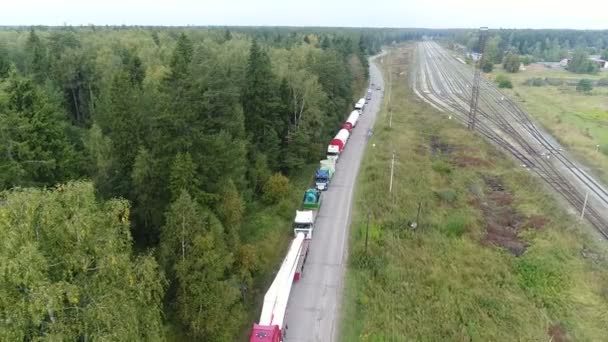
x,y
312,199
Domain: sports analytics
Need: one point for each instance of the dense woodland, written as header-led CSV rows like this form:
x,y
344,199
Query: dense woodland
x,y
137,166
538,45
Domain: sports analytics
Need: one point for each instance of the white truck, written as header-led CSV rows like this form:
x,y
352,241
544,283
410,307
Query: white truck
x,y
304,223
360,105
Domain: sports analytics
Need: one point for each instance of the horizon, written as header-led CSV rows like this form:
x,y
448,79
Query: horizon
x,y
432,14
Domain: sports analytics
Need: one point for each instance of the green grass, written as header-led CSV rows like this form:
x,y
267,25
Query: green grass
x,y
438,282
578,121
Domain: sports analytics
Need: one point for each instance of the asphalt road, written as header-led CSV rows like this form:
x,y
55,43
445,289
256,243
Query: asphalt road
x,y
445,83
313,312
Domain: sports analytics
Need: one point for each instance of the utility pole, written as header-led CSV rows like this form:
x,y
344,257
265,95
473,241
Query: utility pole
x,y
390,187
367,232
584,205
477,76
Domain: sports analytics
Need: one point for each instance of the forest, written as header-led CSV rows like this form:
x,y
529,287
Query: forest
x,y
538,45
145,172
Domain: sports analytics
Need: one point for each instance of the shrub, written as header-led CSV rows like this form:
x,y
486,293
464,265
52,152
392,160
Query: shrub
x,y
441,167
511,63
276,188
535,82
455,226
446,195
487,66
503,82
584,86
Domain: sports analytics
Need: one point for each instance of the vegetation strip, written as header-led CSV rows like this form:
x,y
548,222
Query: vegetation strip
x,y
492,257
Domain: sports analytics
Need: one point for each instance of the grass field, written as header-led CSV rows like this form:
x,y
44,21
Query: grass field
x,y
578,121
493,258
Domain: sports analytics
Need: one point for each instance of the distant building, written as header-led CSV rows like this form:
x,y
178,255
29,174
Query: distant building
x,y
474,56
602,64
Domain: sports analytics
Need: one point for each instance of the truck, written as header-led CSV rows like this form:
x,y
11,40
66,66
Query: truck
x,y
360,105
312,199
271,325
369,95
351,121
324,174
336,145
304,223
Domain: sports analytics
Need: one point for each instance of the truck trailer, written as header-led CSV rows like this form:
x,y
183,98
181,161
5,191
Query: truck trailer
x,y
336,145
351,121
272,319
304,223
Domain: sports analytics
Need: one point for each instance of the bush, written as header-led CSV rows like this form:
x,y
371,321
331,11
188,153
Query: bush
x,y
455,226
535,82
487,66
276,188
511,63
446,195
441,167
503,82
584,86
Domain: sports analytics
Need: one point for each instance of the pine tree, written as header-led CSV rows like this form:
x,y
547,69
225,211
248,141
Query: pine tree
x,y
36,60
34,140
5,63
260,103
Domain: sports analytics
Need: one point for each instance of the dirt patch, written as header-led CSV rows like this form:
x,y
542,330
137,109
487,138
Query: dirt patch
x,y
440,147
536,221
469,161
557,333
503,222
420,150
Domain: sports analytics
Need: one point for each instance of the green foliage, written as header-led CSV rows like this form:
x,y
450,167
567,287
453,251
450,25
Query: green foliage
x,y
511,63
455,225
194,253
492,51
34,145
5,63
584,86
276,188
535,82
503,81
487,65
441,166
148,114
581,64
444,280
68,270
446,195
605,55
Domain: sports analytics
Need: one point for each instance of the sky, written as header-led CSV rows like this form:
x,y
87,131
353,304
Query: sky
x,y
580,14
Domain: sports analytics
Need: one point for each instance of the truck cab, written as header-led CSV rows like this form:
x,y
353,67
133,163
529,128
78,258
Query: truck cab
x,y
322,178
333,152
304,223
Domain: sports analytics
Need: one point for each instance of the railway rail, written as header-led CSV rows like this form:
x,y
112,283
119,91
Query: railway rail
x,y
446,83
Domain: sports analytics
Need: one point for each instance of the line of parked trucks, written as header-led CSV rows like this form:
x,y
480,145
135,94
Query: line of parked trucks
x,y
270,327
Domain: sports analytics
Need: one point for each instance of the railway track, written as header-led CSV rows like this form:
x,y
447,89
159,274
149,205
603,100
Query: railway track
x,y
446,83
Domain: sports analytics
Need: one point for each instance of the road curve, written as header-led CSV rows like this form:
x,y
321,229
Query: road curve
x,y
313,312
